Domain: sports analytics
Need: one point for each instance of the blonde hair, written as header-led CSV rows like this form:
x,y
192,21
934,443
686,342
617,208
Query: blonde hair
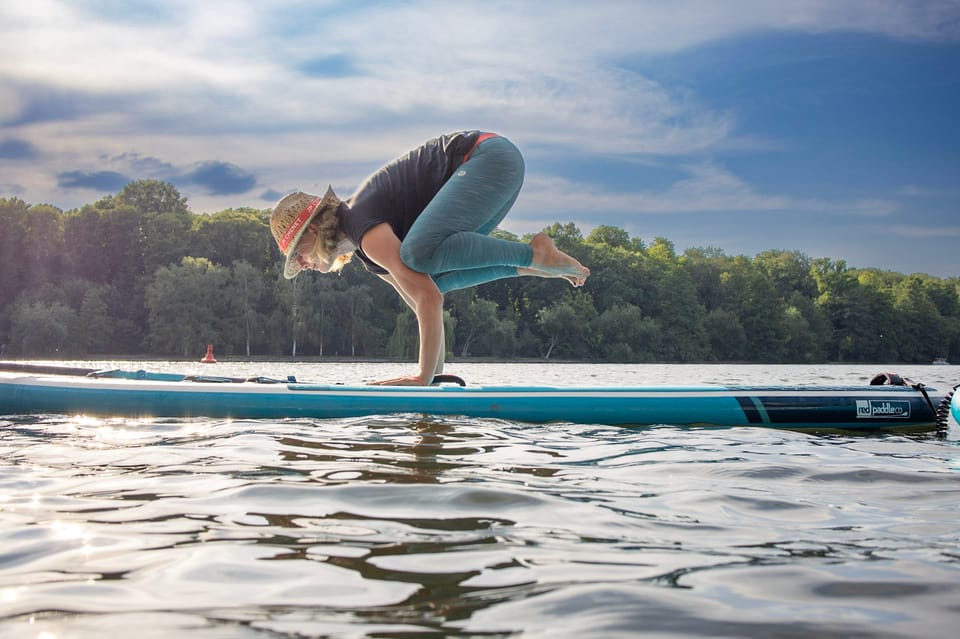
x,y
340,261
331,240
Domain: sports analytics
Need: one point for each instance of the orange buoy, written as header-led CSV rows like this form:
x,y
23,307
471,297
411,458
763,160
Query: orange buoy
x,y
208,358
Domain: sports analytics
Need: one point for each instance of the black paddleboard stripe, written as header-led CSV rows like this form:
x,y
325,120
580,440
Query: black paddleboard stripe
x,y
749,409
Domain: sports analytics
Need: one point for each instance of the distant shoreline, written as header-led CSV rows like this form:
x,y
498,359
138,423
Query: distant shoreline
x,y
317,359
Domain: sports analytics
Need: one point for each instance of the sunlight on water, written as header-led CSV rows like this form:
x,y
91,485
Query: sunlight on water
x,y
415,526
65,531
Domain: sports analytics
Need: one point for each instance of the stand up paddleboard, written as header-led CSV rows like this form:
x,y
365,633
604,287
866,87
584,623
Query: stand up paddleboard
x,y
889,402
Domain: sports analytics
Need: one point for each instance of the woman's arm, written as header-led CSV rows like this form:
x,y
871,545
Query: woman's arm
x,y
419,291
438,368
386,277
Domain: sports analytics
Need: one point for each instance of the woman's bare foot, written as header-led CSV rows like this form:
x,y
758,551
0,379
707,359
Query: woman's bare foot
x,y
549,261
574,281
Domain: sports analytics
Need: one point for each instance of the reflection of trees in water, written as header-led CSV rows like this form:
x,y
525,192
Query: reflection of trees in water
x,y
438,449
441,595
436,453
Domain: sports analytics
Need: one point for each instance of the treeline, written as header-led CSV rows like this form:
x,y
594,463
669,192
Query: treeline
x,y
138,273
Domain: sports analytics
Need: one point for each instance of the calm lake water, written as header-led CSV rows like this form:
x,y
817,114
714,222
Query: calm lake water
x,y
401,526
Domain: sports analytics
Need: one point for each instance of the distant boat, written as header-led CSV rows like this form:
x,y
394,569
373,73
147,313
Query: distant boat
x,y
941,361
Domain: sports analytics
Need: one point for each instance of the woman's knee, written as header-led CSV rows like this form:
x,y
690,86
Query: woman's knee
x,y
417,253
509,163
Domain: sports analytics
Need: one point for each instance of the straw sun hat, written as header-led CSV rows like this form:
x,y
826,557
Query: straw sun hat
x,y
291,217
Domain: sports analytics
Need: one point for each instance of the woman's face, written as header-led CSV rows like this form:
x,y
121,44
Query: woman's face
x,y
306,252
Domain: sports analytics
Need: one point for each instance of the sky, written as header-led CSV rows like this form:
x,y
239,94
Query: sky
x,y
828,127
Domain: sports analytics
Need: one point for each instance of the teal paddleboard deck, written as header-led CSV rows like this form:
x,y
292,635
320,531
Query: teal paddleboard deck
x,y
139,394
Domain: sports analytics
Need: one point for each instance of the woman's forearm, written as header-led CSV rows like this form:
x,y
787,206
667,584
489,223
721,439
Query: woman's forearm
x,y
420,292
442,353
432,347
427,361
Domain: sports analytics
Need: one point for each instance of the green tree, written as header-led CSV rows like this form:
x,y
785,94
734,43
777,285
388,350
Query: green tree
x,y
800,339
567,326
706,267
728,338
105,244
354,309
13,262
748,293
42,245
860,316
167,239
186,304
566,236
43,328
501,340
97,329
478,320
246,290
404,342
619,275
924,334
91,272
235,234
625,335
152,197
611,236
674,304
788,271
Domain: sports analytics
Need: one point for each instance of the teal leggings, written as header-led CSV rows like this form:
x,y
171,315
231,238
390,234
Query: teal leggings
x,y
450,240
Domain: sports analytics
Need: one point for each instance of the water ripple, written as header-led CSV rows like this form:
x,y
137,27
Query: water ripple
x,y
402,526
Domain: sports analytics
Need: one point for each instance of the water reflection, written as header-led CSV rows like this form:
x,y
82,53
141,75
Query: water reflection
x,y
431,451
439,556
404,526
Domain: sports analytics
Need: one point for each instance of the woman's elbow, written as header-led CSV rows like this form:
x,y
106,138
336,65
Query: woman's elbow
x,y
429,298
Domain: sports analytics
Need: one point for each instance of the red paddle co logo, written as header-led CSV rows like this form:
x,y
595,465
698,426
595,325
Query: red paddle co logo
x,y
867,408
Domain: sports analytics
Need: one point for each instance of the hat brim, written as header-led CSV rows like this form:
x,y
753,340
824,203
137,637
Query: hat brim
x,y
291,267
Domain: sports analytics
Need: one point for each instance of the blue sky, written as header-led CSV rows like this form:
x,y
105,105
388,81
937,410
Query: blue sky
x,y
824,126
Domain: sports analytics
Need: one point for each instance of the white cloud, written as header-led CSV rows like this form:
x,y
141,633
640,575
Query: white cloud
x,y
56,42
913,190
222,81
923,232
707,188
